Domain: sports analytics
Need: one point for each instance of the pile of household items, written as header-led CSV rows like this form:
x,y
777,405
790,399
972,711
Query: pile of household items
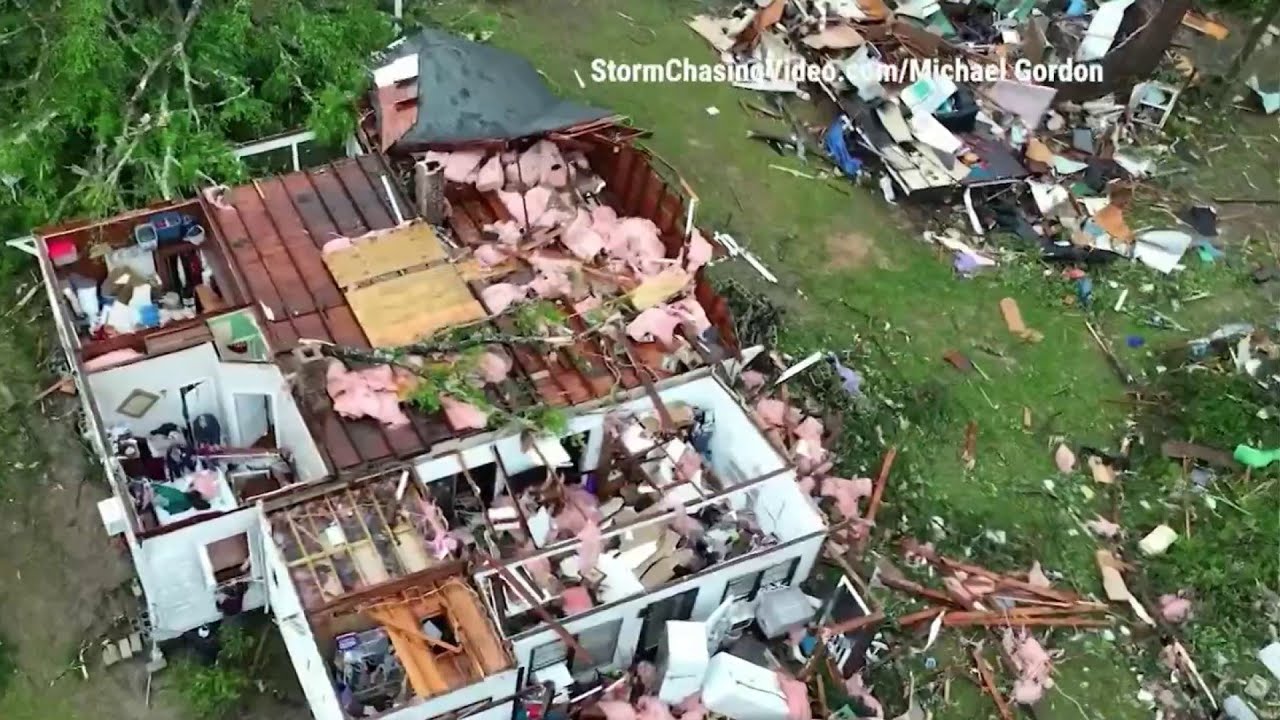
x,y
950,103
152,278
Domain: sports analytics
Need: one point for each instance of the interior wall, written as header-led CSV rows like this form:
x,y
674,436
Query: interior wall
x,y
739,450
711,589
291,430
174,579
784,510
163,376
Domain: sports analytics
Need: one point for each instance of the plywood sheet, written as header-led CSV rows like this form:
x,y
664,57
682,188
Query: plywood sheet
x,y
411,307
391,252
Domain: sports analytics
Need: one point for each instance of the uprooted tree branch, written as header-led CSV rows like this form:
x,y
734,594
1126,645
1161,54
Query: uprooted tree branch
x,y
116,104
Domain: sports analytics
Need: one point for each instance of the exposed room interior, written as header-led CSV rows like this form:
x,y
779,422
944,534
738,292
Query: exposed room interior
x,y
632,499
140,281
386,601
197,435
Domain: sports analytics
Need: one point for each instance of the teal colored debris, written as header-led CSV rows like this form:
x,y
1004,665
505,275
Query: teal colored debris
x,y
1255,458
1016,9
939,23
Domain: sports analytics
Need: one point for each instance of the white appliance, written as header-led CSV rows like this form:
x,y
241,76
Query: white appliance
x,y
742,690
682,661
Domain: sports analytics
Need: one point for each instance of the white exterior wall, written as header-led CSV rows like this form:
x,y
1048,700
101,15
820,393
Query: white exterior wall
x,y
286,609
494,687
711,589
178,593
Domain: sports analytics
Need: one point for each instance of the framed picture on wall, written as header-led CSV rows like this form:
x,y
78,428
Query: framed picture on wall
x,y
137,403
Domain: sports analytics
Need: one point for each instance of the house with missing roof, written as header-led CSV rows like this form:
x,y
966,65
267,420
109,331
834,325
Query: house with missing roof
x,y
419,563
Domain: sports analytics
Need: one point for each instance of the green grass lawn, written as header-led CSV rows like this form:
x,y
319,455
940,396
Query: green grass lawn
x,y
855,278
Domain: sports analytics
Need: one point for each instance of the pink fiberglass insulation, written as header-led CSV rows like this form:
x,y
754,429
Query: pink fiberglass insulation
x,y
462,415
581,238
494,366
617,710
655,323
337,244
489,255
580,507
1034,666
111,359
365,393
575,600
543,164
698,254
551,285
660,322
636,241
459,166
539,567
773,413
797,697
490,175
205,482
603,219
508,232
651,708
591,545
691,708
646,676
500,296
689,463
847,494
857,688
810,431
1103,527
587,304
691,312
535,200
1175,608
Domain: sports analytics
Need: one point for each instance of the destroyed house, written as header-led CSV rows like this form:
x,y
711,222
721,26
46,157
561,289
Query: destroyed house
x,y
424,564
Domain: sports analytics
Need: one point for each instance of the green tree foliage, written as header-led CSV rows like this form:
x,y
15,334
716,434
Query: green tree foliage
x,y
109,104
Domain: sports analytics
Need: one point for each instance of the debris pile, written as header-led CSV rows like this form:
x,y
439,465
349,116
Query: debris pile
x,y
1008,108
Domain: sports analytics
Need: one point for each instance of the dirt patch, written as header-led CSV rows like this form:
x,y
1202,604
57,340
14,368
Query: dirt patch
x,y
64,583
852,251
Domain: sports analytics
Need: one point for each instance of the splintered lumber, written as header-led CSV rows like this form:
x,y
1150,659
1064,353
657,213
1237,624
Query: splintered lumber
x,y
984,619
854,624
1001,581
920,616
989,684
411,650
877,493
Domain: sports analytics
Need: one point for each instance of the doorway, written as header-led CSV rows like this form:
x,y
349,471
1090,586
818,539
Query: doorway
x,y
255,422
